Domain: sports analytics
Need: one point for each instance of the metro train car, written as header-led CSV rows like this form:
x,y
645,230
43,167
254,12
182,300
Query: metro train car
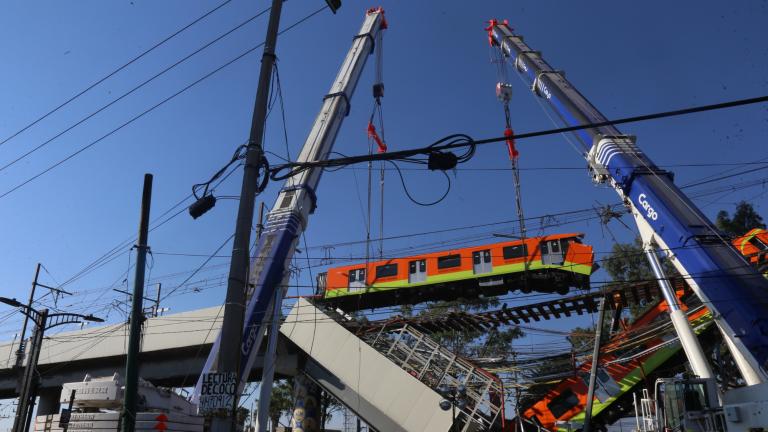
x,y
628,359
754,246
549,264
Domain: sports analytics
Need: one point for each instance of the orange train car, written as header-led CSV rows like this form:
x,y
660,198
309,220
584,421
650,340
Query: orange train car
x,y
625,361
754,246
552,263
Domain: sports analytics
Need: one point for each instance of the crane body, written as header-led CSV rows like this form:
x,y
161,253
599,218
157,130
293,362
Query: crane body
x,y
717,273
289,216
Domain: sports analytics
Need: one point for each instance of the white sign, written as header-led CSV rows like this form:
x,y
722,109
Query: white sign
x,y
90,391
217,392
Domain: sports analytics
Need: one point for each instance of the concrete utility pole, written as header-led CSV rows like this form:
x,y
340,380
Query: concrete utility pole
x,y
137,313
234,307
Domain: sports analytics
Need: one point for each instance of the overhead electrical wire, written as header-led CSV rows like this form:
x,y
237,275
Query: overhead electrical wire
x,y
638,118
129,92
152,108
678,112
461,141
351,258
113,73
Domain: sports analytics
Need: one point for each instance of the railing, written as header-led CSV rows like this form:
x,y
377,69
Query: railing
x,y
436,366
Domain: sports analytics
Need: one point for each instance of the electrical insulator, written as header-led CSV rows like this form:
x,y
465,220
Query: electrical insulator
x,y
504,92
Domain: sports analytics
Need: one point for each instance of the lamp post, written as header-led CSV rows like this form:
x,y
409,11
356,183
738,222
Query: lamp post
x,y
43,321
453,396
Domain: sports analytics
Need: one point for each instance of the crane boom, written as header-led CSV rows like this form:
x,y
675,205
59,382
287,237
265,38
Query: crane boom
x,y
295,202
735,292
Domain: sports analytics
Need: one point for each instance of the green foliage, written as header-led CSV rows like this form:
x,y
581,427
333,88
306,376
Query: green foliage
x,y
744,219
281,401
582,339
627,262
329,406
470,342
243,417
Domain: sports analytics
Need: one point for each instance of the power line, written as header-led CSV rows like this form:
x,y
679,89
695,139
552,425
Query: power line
x,y
724,177
394,252
111,74
438,146
131,91
152,108
200,267
571,168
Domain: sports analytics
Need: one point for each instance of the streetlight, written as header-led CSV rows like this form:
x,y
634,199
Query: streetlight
x,y
43,321
453,396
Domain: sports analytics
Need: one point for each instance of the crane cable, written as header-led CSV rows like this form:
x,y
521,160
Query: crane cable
x,y
504,94
378,139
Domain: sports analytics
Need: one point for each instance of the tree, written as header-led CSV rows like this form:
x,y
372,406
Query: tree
x,y
469,342
744,219
628,263
328,406
243,417
281,401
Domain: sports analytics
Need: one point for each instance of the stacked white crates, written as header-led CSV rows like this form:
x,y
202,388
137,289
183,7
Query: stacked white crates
x,y
98,402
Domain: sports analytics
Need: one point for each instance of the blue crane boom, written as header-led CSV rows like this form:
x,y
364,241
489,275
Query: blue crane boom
x,y
734,291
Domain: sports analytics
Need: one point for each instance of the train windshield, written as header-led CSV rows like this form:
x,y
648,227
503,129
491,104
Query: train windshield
x,y
563,403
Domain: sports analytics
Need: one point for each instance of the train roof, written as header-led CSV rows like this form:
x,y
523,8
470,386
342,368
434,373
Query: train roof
x,y
375,262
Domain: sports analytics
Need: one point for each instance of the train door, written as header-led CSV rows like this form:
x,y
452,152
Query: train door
x,y
417,271
356,279
481,261
551,252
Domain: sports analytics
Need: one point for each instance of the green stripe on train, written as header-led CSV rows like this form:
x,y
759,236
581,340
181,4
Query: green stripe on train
x,y
462,275
636,375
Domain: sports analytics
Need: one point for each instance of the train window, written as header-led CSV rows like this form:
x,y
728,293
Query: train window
x,y
357,275
386,270
516,251
544,248
449,261
555,246
758,243
563,403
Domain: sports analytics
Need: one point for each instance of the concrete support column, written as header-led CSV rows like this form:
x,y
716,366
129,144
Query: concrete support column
x,y
49,401
306,405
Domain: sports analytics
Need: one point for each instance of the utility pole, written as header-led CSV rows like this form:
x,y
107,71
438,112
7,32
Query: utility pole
x,y
35,284
595,361
137,313
26,393
234,306
22,347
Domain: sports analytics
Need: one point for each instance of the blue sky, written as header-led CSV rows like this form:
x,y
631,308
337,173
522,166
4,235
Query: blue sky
x,y
628,58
